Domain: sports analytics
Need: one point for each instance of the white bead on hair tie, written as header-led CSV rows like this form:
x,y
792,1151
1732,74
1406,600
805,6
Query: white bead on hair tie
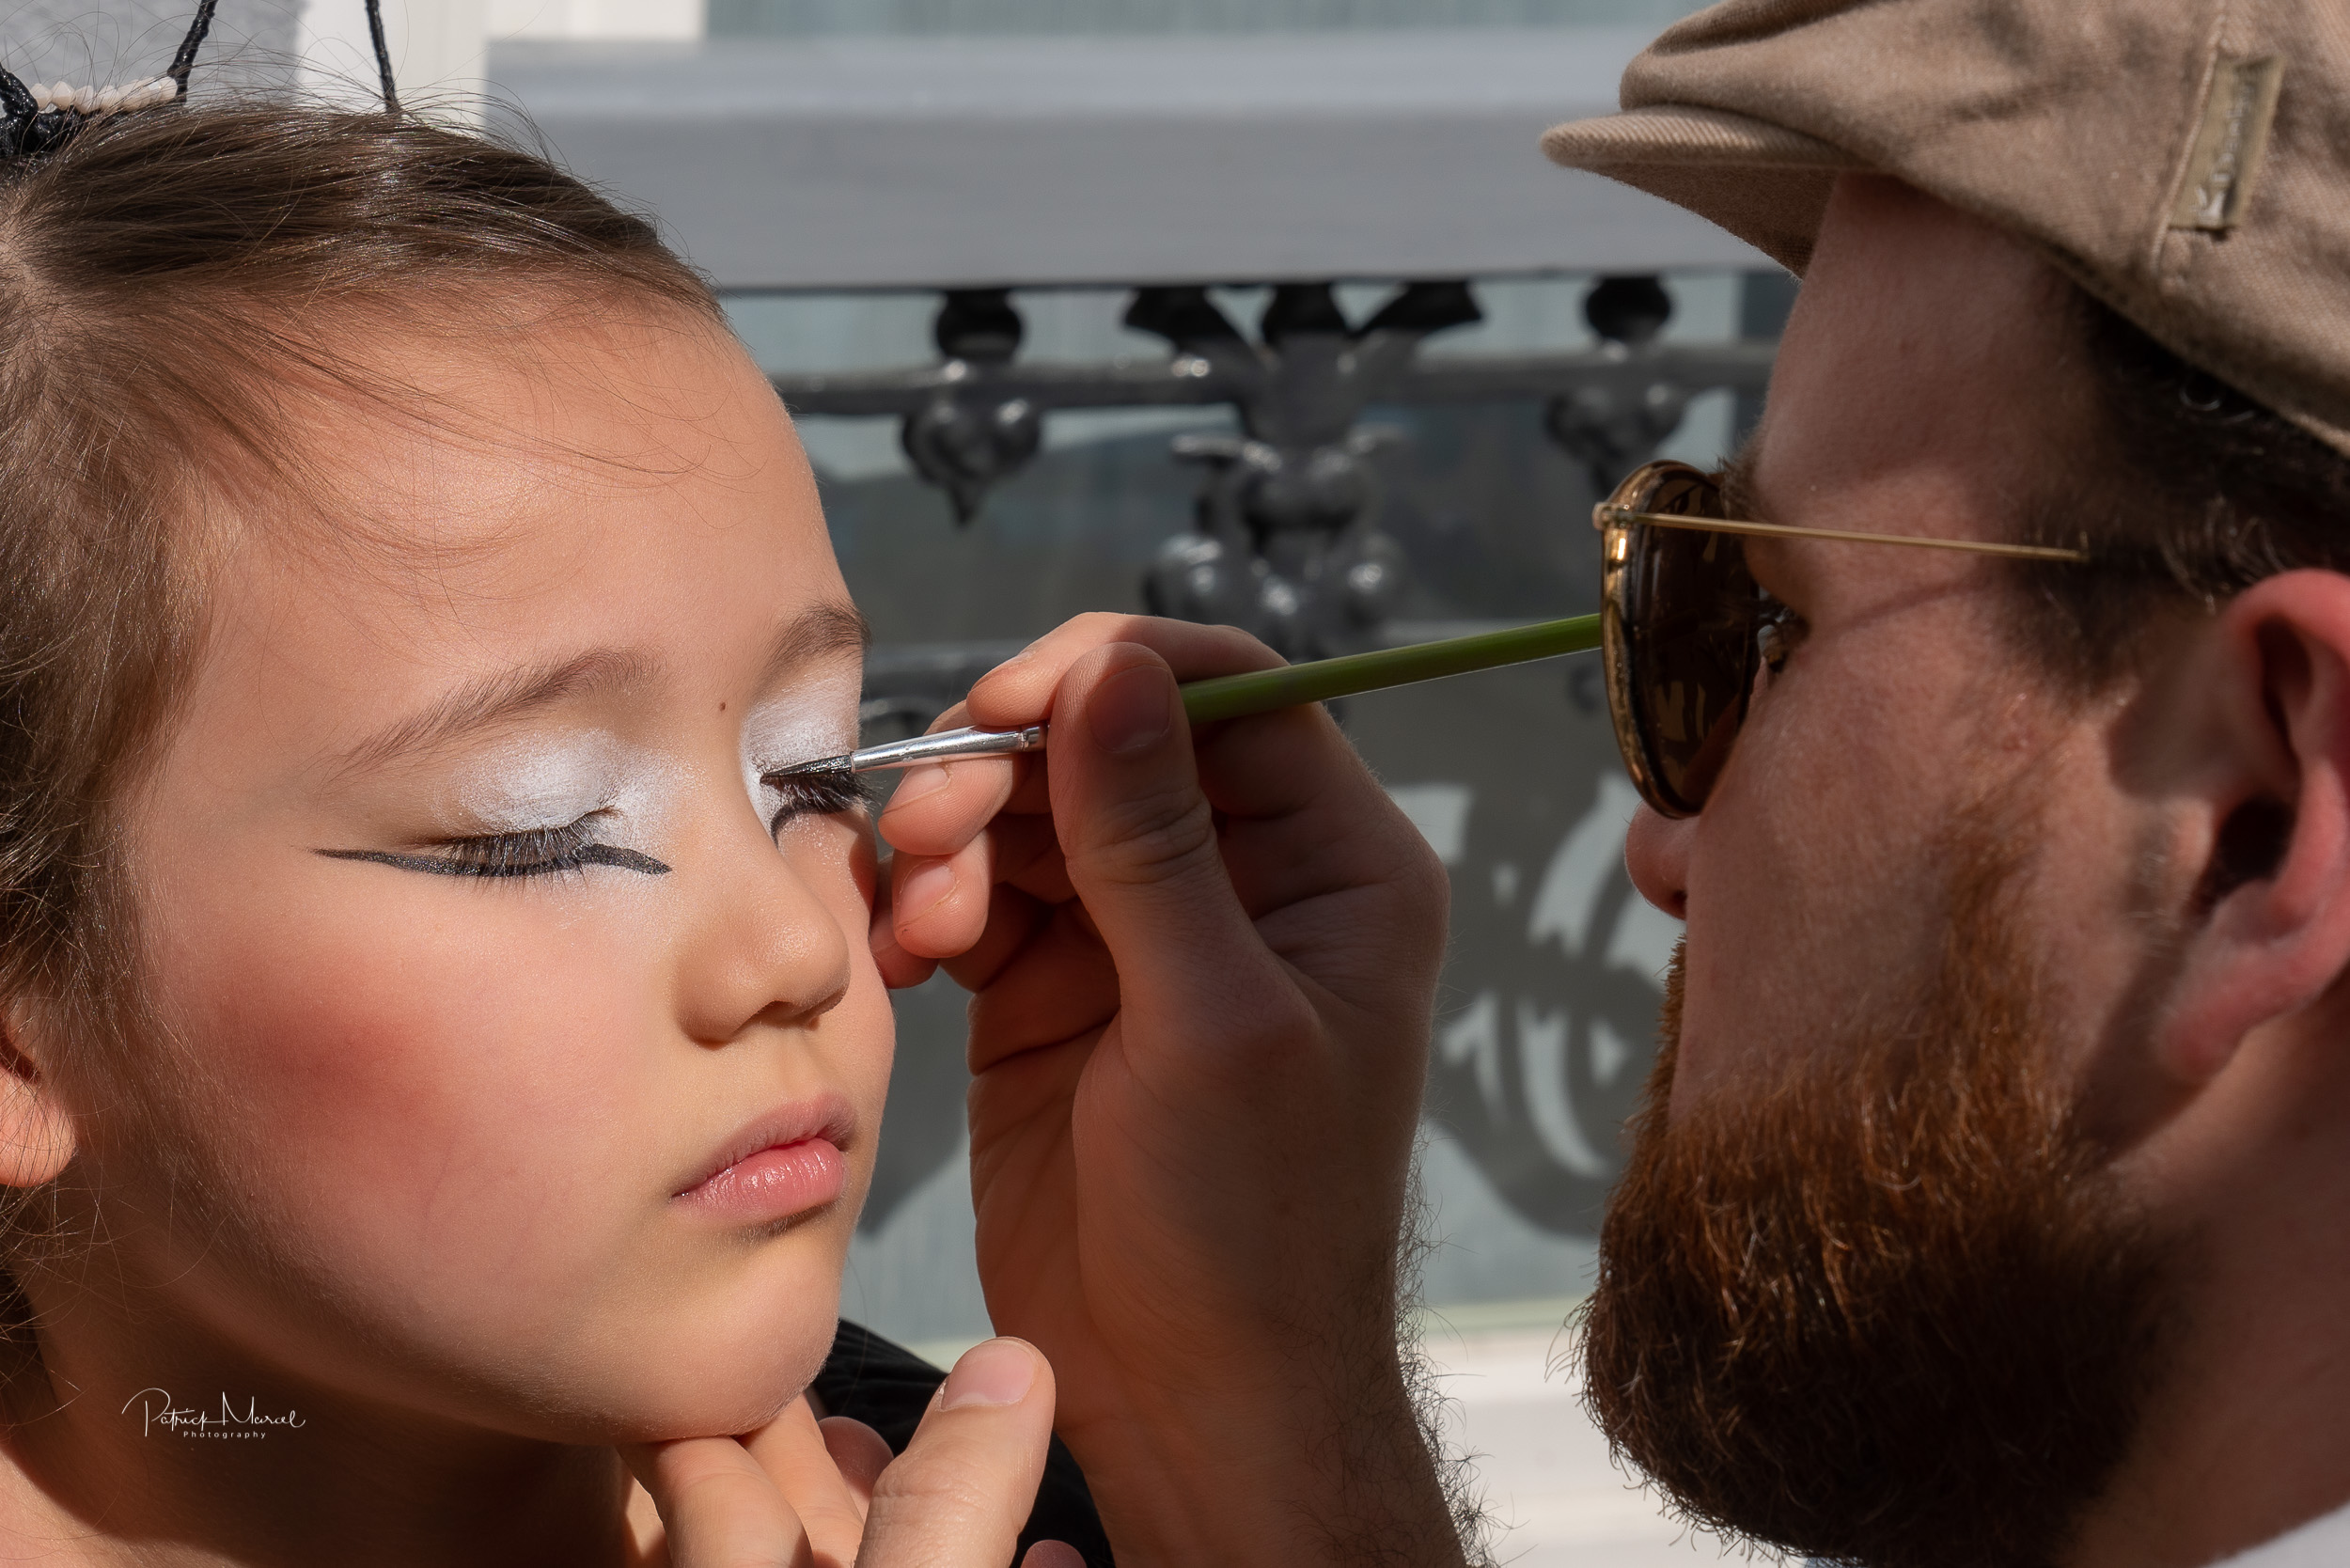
x,y
104,101
38,118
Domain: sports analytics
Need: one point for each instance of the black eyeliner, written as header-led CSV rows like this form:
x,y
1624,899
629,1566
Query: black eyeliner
x,y
586,854
550,852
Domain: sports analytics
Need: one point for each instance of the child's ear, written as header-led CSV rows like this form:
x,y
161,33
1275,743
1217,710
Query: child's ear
x,y
36,1130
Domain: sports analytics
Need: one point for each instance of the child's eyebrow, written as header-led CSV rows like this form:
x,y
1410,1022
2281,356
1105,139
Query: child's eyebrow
x,y
827,629
492,698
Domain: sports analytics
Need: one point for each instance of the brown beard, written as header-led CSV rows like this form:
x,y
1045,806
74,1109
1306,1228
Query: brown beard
x,y
1889,1312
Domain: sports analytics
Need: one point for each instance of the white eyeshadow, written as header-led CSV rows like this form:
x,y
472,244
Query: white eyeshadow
x,y
539,784
813,720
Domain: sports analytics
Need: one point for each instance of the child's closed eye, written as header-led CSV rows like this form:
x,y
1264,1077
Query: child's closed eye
x,y
537,851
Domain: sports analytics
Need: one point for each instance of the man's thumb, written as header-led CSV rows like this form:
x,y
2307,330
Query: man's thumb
x,y
959,1495
1135,829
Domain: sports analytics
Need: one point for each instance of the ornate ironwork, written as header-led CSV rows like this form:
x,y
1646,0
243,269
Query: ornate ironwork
x,y
1287,543
1545,1041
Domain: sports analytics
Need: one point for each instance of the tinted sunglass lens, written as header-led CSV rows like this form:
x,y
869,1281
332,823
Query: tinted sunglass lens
x,y
1690,622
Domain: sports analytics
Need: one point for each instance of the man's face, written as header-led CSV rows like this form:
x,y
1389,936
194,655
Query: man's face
x,y
1868,1289
1925,386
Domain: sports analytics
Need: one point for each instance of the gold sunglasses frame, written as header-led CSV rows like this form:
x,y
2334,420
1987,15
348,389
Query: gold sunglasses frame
x,y
1615,522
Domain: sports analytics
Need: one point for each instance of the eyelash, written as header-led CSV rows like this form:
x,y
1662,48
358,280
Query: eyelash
x,y
1781,633
540,852
555,851
820,794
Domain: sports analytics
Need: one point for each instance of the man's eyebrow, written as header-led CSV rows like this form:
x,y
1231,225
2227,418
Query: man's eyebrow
x,y
1735,478
823,629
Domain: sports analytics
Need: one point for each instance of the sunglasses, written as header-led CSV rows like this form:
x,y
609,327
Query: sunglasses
x,y
1684,629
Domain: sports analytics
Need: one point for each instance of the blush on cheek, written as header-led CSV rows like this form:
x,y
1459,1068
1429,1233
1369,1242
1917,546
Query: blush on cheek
x,y
447,1087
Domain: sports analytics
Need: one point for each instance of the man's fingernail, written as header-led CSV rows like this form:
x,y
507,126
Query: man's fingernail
x,y
1001,1372
1131,711
925,889
925,781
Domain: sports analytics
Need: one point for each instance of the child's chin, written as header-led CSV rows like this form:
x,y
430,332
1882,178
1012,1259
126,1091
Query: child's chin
x,y
727,1384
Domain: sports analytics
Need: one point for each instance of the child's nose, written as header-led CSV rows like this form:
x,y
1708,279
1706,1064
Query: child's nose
x,y
763,946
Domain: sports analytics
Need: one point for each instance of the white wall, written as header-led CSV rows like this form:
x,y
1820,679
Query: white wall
x,y
440,48
597,19
94,42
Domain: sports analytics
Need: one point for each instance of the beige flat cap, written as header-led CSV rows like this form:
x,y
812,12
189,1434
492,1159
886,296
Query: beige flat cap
x,y
2186,161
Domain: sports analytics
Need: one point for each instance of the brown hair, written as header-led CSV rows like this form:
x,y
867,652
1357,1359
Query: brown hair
x,y
2186,490
1886,1307
159,276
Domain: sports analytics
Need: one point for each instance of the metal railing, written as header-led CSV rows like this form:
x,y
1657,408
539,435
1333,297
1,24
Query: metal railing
x,y
1552,991
1284,544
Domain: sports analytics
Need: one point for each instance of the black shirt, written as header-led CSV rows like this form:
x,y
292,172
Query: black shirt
x,y
887,1387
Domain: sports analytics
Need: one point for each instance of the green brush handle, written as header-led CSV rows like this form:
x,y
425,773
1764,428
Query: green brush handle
x,y
1263,689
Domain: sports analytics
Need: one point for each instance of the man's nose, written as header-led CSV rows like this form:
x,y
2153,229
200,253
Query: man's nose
x,y
1656,853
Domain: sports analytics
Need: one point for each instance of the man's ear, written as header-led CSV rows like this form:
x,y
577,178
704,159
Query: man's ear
x,y
36,1130
2269,927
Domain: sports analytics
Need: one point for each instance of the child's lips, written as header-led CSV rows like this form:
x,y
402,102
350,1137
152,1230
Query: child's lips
x,y
783,1162
774,1183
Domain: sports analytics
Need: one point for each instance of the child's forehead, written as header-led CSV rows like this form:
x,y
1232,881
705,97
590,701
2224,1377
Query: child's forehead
x,y
621,402
483,546
487,464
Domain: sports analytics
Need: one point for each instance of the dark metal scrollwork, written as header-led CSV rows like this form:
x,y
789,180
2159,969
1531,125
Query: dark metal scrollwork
x,y
1286,540
968,435
1552,990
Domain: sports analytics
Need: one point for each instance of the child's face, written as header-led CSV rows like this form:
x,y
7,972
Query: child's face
x,y
446,1140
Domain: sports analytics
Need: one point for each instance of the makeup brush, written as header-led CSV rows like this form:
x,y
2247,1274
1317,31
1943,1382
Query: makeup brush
x,y
1259,691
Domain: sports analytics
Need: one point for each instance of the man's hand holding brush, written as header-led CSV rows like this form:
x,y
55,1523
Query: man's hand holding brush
x,y
1202,968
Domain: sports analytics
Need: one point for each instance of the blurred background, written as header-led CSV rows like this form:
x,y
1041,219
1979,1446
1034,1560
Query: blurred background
x,y
1260,311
